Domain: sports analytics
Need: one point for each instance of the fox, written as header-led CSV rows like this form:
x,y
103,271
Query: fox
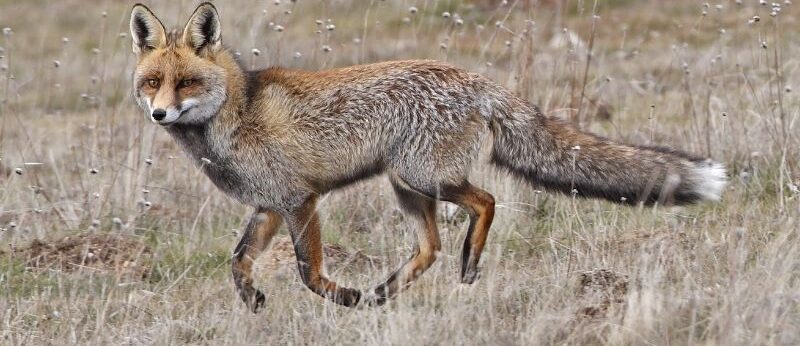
x,y
278,139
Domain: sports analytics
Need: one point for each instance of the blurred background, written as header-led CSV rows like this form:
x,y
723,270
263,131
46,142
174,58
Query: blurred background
x,y
108,234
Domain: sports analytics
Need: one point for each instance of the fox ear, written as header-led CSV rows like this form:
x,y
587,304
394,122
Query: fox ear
x,y
203,31
146,30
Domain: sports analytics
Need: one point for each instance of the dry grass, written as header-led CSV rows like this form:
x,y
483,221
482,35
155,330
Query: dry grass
x,y
555,270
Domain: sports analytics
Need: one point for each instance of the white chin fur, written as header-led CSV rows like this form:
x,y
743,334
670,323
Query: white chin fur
x,y
710,179
172,115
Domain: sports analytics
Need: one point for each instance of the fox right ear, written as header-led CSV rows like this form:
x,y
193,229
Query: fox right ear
x,y
146,30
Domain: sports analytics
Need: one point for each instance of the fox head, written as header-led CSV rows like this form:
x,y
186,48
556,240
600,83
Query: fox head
x,y
178,77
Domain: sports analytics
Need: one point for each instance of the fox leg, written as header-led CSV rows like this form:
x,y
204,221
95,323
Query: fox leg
x,y
259,232
480,206
422,208
304,227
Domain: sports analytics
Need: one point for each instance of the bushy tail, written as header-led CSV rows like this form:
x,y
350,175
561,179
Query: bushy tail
x,y
552,154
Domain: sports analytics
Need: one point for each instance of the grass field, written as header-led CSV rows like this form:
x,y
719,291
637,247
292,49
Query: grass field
x,y
110,235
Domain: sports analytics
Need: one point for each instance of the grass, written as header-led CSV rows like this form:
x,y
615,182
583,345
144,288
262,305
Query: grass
x,y
555,270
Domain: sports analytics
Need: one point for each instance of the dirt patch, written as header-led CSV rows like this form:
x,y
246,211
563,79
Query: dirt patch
x,y
280,256
115,253
601,288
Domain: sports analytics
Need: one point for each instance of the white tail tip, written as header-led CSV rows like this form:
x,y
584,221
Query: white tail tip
x,y
710,179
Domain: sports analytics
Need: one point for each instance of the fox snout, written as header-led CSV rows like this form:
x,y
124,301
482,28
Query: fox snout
x,y
167,115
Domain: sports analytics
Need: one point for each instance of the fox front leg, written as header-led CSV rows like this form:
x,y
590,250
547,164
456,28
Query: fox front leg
x,y
304,227
260,229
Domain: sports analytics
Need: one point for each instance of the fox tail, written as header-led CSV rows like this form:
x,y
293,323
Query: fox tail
x,y
552,154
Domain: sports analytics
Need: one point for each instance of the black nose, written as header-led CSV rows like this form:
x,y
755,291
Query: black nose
x,y
159,114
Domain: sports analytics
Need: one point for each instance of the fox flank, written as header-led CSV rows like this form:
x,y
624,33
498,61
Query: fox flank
x,y
278,139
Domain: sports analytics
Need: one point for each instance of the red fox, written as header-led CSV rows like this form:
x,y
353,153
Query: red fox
x,y
277,139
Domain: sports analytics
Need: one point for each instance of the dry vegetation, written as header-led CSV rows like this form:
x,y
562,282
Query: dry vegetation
x,y
109,235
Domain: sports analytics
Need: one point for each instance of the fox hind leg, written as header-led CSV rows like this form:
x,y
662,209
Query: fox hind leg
x,y
423,209
480,206
260,229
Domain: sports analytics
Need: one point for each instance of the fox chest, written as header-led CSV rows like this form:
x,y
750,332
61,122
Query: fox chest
x,y
218,165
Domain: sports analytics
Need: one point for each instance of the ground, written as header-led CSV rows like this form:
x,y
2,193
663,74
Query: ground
x,y
109,235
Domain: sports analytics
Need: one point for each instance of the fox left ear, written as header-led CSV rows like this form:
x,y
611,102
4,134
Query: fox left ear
x,y
203,31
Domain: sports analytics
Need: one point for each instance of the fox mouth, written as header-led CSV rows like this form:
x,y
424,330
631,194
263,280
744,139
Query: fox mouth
x,y
165,122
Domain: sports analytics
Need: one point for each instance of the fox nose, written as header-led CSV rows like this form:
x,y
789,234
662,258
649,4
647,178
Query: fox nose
x,y
159,114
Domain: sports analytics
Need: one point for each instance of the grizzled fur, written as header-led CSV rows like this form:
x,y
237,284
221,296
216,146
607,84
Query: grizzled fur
x,y
276,139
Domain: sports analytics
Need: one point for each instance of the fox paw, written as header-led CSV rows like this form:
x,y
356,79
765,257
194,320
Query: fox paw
x,y
470,276
259,301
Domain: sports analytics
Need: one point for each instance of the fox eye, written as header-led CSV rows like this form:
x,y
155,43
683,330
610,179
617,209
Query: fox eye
x,y
153,82
186,83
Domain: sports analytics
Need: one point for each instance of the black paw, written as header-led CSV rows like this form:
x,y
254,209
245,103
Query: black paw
x,y
469,276
258,302
348,297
